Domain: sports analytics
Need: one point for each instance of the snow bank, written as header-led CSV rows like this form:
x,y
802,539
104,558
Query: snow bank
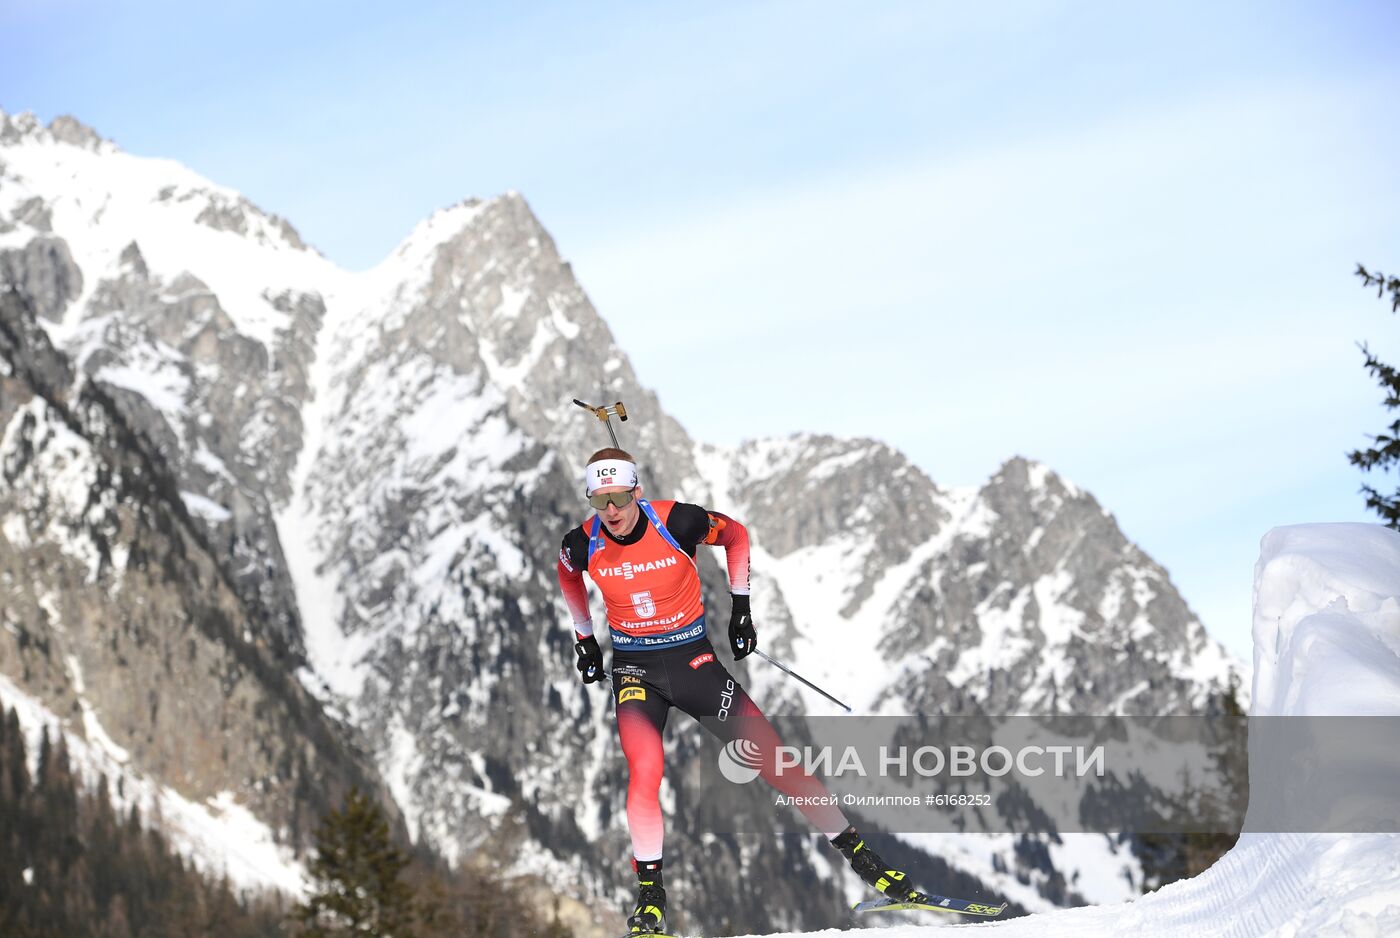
x,y
1326,643
1327,621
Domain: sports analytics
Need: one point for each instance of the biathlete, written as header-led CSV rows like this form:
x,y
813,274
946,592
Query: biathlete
x,y
641,556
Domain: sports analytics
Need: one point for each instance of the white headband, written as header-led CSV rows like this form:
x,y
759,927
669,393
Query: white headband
x,y
606,472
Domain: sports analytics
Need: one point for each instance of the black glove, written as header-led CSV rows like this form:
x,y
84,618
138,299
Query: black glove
x,y
742,638
590,660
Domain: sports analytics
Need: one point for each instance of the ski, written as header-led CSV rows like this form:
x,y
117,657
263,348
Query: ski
x,y
931,904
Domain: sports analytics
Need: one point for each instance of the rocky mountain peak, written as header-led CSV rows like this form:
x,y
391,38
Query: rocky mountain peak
x,y
68,129
1031,475
67,175
222,210
491,269
63,129
804,488
1028,496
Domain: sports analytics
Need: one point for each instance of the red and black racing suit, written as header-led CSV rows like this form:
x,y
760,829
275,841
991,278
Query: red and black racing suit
x,y
662,657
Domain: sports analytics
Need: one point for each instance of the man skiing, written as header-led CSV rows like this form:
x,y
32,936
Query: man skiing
x,y
641,556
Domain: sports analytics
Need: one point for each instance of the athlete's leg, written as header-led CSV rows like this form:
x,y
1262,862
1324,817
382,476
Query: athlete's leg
x,y
699,685
641,716
703,688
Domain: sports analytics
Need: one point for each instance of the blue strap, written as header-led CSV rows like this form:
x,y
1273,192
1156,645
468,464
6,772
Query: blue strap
x,y
595,538
656,523
595,532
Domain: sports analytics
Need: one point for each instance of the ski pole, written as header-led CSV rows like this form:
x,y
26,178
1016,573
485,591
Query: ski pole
x,y
603,413
779,664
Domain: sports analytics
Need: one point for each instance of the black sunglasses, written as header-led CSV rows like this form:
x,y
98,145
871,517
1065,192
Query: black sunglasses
x,y
620,499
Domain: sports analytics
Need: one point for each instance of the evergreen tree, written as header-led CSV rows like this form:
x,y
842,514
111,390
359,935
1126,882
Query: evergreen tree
x,y
70,867
1386,451
1215,805
1223,800
357,876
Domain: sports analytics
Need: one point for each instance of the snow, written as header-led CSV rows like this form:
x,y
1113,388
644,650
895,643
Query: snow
x,y
439,227
218,835
570,330
92,727
452,401
832,465
816,580
444,431
716,467
513,301
484,533
1327,642
1327,596
1003,636
509,376
161,383
210,463
66,468
1040,474
110,199
973,516
1210,664
852,670
334,662
205,508
1117,872
14,531
403,765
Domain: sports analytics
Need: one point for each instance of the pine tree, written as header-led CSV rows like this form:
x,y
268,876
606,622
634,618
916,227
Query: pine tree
x,y
1386,451
1213,807
70,867
357,876
1223,800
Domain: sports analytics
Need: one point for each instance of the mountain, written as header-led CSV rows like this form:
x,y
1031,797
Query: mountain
x,y
143,272
122,623
1325,641
382,465
1022,596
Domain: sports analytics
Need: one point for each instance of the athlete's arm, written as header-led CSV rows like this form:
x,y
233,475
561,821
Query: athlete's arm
x,y
573,559
692,525
734,538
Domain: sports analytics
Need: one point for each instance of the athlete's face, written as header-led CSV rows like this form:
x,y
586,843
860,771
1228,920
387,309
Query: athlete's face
x,y
620,521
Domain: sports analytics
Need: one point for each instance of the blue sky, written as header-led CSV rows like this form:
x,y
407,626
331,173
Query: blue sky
x,y
1114,238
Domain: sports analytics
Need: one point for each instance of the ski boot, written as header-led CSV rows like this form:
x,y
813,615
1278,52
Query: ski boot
x,y
871,868
649,918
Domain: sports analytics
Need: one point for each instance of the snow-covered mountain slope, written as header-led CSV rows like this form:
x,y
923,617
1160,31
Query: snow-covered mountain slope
x,y
439,475
1327,597
120,627
384,463
196,310
218,834
1019,597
